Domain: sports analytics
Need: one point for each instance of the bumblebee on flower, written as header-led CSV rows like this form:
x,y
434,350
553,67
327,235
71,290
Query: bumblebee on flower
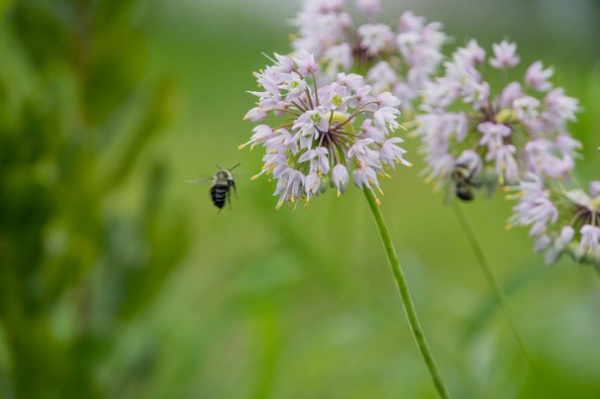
x,y
520,129
325,132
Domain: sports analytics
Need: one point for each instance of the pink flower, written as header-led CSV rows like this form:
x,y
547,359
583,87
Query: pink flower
x,y
590,242
562,221
369,8
375,37
399,59
516,129
340,178
504,55
316,143
537,77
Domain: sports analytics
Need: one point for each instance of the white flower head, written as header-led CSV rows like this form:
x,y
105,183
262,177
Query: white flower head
x,y
399,59
328,130
567,221
516,129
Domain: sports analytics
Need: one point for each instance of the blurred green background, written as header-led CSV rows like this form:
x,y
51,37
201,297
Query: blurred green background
x,y
119,280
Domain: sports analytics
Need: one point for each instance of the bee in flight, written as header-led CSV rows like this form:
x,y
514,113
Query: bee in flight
x,y
222,183
464,179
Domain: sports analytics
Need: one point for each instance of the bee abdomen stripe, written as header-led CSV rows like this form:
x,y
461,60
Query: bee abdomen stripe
x,y
218,194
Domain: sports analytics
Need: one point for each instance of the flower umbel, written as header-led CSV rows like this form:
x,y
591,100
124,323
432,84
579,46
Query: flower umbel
x,y
513,130
561,220
398,58
324,131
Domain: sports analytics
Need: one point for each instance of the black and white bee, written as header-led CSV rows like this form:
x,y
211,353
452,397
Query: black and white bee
x,y
222,183
464,180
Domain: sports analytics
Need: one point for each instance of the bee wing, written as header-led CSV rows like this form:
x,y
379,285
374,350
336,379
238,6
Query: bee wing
x,y
198,181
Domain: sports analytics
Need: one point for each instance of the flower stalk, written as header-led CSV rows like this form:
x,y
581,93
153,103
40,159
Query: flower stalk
x,y
409,307
489,275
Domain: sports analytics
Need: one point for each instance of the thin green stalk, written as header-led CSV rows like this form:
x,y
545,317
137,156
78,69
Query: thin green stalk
x,y
489,274
409,307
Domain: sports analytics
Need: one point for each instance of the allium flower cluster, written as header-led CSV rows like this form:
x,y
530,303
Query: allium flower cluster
x,y
561,221
502,133
322,133
399,58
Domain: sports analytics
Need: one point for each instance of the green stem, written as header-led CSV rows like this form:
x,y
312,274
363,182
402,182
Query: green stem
x,y
409,307
489,274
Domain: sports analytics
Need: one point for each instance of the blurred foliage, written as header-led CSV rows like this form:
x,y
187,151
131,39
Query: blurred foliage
x,y
95,217
76,112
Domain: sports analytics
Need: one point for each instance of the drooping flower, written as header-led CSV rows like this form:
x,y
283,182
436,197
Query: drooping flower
x,y
515,129
398,59
322,132
562,221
